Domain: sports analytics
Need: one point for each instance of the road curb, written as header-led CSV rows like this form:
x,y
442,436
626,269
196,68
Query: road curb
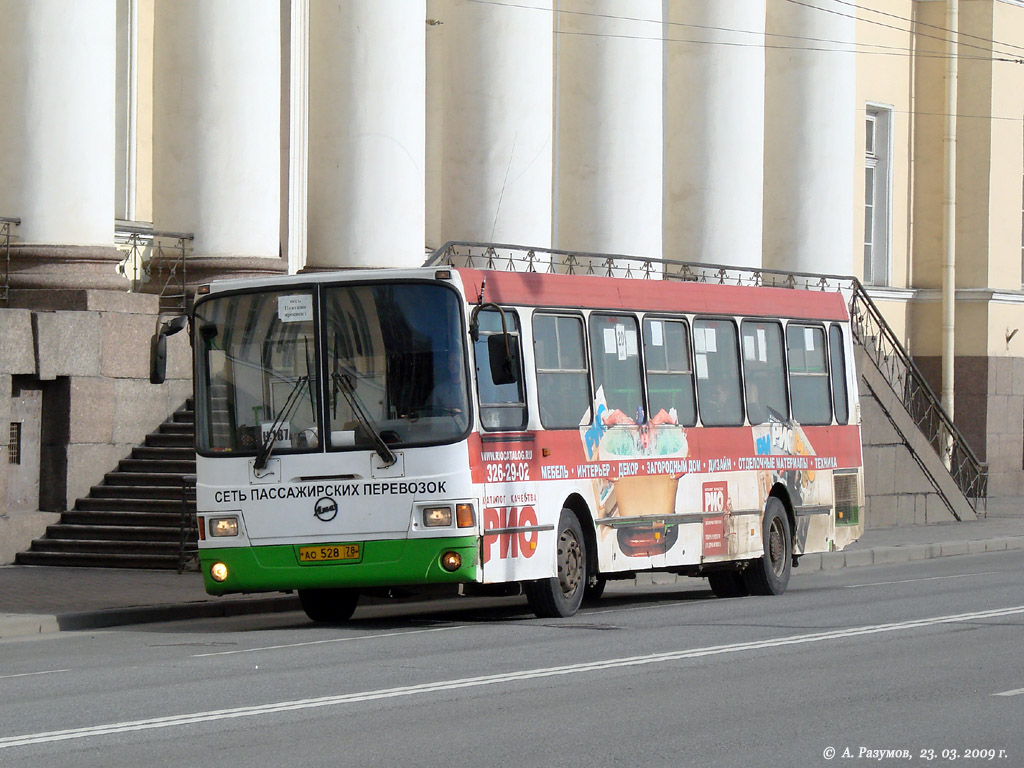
x,y
21,625
25,625
905,553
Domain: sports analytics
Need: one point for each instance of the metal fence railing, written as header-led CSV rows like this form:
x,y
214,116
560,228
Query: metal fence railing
x,y
156,262
6,223
870,328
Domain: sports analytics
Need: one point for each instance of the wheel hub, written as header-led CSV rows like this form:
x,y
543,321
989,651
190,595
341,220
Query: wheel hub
x,y
570,559
776,547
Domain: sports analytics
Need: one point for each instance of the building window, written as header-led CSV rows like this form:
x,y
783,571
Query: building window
x,y
14,444
877,194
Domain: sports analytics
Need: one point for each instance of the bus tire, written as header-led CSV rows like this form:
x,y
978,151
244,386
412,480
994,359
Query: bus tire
x,y
329,606
769,574
728,584
560,597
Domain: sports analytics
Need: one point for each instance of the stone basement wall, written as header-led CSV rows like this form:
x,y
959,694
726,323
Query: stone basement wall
x,y
897,490
88,352
988,409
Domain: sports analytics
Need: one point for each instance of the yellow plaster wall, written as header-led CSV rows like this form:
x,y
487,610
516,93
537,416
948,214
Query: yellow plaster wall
x,y
144,115
885,80
1007,152
928,129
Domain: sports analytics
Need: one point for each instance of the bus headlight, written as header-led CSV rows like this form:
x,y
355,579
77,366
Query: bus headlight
x,y
219,572
223,526
434,517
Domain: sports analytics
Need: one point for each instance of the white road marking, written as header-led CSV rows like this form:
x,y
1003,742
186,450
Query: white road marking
x,y
1016,692
174,721
321,642
32,674
929,578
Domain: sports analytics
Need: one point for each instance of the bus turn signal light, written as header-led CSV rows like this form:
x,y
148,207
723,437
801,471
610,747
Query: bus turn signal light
x,y
464,516
451,561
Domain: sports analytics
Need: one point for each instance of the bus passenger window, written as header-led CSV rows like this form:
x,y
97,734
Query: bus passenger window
x,y
669,373
615,359
502,406
562,386
837,358
808,375
717,365
764,371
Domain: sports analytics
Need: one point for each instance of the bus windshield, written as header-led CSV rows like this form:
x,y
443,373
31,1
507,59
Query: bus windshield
x,y
395,363
394,369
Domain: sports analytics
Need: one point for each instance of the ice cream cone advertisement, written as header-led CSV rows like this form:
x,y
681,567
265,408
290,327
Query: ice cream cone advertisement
x,y
634,509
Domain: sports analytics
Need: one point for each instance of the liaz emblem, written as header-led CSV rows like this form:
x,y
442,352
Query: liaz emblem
x,y
325,509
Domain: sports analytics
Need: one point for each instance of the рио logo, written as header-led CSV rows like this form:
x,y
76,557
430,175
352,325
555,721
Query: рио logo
x,y
325,509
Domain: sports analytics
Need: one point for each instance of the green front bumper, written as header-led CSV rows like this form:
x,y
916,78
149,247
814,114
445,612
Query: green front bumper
x,y
383,564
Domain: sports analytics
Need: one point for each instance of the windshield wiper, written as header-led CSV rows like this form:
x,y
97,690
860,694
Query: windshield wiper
x,y
267,447
343,383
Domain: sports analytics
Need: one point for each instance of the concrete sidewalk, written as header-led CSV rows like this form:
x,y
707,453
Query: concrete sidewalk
x,y
36,600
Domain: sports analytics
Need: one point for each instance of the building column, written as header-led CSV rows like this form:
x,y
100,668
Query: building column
x,y
490,136
810,122
216,143
367,71
57,142
714,132
608,156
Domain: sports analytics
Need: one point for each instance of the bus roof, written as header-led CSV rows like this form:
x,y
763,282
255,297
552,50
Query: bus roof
x,y
653,295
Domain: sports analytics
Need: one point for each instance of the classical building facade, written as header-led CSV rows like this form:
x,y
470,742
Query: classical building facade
x,y
282,135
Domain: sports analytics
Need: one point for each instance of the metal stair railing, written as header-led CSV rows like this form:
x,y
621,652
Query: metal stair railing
x,y
897,367
188,529
870,329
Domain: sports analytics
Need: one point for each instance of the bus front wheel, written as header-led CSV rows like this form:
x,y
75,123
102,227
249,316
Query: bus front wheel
x,y
561,596
769,575
329,606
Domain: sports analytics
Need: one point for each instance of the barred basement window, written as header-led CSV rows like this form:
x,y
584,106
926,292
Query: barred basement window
x,y
14,444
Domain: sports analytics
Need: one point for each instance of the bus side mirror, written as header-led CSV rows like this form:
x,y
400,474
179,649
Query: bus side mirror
x,y
501,354
158,348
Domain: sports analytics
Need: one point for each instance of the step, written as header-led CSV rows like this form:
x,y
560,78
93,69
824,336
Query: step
x,y
114,532
163,479
184,453
145,492
119,518
171,440
184,417
106,546
98,560
147,506
172,428
156,465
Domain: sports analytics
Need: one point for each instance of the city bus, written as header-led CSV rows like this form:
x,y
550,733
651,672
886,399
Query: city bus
x,y
530,431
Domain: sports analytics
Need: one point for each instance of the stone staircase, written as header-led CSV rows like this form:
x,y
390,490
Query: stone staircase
x,y
136,518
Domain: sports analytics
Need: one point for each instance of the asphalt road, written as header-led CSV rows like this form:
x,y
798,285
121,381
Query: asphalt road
x,y
923,657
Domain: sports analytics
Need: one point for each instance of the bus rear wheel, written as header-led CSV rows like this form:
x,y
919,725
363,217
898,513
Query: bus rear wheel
x,y
561,596
329,606
769,575
728,584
